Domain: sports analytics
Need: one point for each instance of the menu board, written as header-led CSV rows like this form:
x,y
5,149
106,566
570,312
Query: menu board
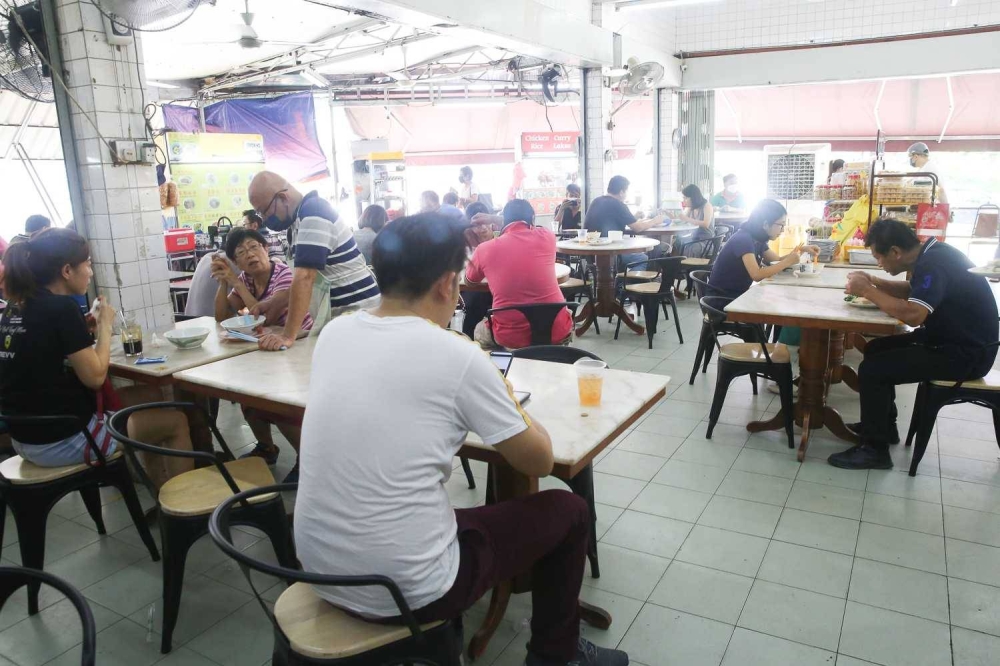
x,y
212,173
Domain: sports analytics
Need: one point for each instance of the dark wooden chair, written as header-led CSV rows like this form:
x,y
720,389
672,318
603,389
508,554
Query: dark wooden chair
x,y
737,359
702,260
14,578
655,294
187,500
30,491
707,340
309,631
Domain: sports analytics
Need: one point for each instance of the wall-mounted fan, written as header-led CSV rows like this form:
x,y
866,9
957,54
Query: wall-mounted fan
x,y
22,67
640,78
155,15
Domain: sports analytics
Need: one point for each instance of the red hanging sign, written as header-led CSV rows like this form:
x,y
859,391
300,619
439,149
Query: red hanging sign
x,y
548,142
932,220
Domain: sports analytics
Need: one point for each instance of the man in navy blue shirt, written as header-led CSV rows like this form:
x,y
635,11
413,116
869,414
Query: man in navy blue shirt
x,y
955,316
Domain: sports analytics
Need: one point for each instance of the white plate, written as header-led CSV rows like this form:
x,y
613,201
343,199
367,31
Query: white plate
x,y
600,241
243,323
866,305
986,271
806,275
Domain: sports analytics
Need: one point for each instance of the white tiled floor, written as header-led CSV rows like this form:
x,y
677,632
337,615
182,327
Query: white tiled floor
x,y
722,551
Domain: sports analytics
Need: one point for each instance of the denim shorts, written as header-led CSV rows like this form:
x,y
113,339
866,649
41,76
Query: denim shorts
x,y
69,451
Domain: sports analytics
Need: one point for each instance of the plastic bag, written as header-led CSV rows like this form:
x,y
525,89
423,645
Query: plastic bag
x,y
855,220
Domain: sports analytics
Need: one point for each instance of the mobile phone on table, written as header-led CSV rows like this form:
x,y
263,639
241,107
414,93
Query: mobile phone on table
x,y
502,360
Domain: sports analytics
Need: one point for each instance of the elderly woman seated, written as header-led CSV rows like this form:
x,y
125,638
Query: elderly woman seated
x,y
262,287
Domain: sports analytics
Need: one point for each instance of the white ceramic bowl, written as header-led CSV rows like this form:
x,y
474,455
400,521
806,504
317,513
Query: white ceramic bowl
x,y
243,323
187,338
615,235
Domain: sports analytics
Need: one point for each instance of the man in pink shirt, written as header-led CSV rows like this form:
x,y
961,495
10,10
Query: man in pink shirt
x,y
520,269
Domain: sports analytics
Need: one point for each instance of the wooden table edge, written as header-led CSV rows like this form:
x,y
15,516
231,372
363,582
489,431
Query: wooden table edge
x,y
810,322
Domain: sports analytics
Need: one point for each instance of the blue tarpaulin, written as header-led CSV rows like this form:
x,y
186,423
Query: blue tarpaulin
x,y
287,123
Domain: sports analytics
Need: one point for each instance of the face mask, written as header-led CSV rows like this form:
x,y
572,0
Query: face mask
x,y
732,189
913,161
275,223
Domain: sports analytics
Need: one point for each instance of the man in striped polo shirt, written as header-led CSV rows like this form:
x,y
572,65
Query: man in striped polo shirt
x,y
323,247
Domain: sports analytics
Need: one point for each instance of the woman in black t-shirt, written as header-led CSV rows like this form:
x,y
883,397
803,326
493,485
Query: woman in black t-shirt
x,y
49,364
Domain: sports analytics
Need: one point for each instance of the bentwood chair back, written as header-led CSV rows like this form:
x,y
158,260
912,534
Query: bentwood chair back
x,y
30,491
540,316
14,578
738,359
187,500
310,630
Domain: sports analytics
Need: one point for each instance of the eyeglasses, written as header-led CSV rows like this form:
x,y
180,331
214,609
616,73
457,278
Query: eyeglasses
x,y
263,213
247,249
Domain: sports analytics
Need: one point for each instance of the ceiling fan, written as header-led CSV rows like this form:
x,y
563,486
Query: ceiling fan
x,y
248,37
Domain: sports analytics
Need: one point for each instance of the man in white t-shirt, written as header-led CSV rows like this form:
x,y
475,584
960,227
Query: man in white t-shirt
x,y
469,192
920,159
392,398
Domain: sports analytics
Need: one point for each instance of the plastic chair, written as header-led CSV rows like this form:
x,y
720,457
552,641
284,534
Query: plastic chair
x,y
14,578
745,358
31,491
935,394
707,339
187,500
583,483
655,294
540,316
308,630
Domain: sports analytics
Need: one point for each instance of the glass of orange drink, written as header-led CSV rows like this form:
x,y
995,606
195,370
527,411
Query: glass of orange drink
x,y
590,380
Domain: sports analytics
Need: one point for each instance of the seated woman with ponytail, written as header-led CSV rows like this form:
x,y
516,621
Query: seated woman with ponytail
x,y
50,364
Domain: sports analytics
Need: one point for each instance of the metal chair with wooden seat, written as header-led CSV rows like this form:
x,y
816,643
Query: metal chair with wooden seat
x,y
187,500
933,395
13,579
655,295
748,358
30,491
701,260
308,630
541,317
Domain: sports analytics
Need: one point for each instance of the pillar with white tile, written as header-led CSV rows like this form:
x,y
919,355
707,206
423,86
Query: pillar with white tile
x,y
597,137
666,155
121,204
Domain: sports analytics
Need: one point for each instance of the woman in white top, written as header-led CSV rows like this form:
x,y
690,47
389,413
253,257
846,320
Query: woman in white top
x,y
470,191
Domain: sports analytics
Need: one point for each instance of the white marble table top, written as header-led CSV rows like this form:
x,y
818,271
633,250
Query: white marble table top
x,y
280,381
626,244
213,349
679,228
808,307
826,279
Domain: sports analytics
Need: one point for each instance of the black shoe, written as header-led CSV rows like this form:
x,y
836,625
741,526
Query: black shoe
x,y
856,429
587,654
864,456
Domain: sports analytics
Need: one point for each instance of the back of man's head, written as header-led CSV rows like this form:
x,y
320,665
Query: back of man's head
x,y
886,233
412,253
617,185
430,197
450,198
518,210
36,223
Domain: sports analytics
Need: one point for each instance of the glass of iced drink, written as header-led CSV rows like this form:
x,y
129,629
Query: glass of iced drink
x,y
590,380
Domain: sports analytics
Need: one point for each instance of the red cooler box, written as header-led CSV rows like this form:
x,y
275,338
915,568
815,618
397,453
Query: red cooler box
x,y
179,240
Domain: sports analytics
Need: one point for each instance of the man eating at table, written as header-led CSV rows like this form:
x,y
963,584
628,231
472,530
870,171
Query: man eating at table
x,y
520,267
326,258
372,496
955,317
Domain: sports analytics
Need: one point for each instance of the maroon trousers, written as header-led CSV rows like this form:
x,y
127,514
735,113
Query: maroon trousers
x,y
546,533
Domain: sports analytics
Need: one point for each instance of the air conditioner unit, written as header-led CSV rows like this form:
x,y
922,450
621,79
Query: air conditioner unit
x,y
794,169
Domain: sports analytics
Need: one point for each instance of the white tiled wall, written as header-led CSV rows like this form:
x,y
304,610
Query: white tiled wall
x,y
121,203
598,111
743,24
668,154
